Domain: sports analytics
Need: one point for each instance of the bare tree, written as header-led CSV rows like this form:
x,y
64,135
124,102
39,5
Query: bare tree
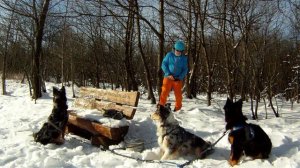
x,y
148,75
294,19
203,7
64,45
161,38
159,33
5,54
131,82
39,31
191,49
39,19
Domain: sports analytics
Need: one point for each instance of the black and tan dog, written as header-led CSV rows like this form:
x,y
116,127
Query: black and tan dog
x,y
244,137
175,141
53,130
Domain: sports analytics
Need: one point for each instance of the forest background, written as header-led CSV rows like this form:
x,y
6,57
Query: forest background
x,y
249,49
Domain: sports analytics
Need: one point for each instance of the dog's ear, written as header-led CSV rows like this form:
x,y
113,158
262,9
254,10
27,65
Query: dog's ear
x,y
239,103
55,90
239,106
228,101
63,90
168,106
158,107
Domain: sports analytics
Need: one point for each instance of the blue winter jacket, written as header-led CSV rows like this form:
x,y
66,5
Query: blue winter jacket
x,y
177,66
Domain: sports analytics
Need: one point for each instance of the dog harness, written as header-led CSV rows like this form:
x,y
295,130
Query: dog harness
x,y
168,132
176,131
249,132
53,125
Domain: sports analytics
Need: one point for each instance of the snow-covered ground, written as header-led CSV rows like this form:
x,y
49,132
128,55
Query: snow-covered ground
x,y
20,117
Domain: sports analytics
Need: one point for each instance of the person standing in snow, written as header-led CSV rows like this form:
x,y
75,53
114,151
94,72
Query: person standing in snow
x,y
175,68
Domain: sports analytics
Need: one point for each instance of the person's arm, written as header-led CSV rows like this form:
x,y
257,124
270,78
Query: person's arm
x,y
185,69
165,65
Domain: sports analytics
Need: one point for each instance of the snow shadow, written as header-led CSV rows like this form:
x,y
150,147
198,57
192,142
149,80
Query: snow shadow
x,y
287,149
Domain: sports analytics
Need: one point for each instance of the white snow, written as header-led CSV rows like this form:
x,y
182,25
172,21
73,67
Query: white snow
x,y
20,117
96,115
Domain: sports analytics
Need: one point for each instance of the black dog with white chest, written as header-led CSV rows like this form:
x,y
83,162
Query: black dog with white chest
x,y
243,137
54,129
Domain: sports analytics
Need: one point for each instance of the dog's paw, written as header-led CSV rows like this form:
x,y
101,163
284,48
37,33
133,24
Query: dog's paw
x,y
58,141
165,155
233,162
34,135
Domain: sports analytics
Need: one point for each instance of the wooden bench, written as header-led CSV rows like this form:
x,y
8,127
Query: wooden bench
x,y
101,100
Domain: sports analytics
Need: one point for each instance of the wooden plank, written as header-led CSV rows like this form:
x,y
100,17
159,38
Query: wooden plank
x,y
91,103
96,140
87,103
97,128
120,97
73,129
126,110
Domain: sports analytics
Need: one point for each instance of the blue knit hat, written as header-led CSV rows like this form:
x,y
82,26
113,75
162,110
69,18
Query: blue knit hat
x,y
179,45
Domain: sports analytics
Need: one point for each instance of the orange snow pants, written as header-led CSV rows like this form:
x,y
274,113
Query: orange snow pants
x,y
168,84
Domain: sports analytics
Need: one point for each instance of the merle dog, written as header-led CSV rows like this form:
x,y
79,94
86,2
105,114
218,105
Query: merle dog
x,y
244,137
54,129
175,141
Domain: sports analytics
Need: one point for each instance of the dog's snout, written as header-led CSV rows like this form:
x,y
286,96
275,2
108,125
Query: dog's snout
x,y
154,116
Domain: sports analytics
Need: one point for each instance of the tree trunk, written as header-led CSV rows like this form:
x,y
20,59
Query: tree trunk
x,y
270,95
195,55
255,117
6,52
206,56
189,49
72,74
266,108
297,96
39,31
4,59
243,72
228,67
251,105
131,82
4,72
97,65
161,46
148,76
64,46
